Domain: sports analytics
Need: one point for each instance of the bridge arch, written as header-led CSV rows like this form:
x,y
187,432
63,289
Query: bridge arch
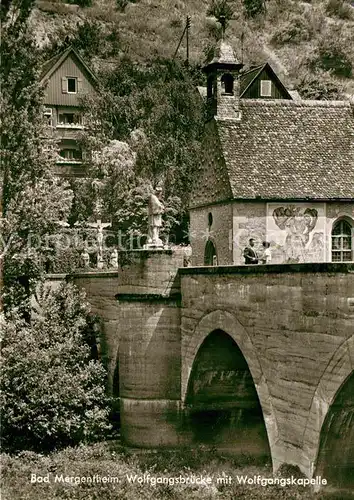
x,y
224,321
339,370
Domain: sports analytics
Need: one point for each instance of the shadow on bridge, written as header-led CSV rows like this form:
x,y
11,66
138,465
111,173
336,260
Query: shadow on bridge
x,y
336,455
222,405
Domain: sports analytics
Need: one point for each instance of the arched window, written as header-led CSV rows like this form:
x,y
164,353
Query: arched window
x,y
210,220
210,257
342,241
227,84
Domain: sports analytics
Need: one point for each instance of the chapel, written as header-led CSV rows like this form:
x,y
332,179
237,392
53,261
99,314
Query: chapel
x,y
275,168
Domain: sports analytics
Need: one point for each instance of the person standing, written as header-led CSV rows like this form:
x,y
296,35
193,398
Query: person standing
x,y
267,255
250,253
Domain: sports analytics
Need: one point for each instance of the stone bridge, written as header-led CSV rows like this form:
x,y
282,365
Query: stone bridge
x,y
250,359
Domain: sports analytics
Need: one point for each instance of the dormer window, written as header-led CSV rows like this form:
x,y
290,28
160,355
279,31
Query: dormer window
x,y
70,85
227,84
266,88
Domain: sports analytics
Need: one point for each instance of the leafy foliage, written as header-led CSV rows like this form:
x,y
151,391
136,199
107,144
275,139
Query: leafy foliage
x,y
94,459
52,391
222,11
293,31
319,86
88,37
32,199
339,8
333,58
155,117
253,7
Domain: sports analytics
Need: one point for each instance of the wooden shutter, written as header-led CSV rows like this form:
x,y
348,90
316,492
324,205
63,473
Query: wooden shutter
x,y
80,88
64,85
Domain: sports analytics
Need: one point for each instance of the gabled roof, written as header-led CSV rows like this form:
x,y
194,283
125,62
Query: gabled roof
x,y
248,77
55,62
283,149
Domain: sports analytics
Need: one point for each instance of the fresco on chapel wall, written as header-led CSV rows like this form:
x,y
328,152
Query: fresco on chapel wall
x,y
296,232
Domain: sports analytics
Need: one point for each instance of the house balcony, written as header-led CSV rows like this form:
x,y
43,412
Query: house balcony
x,y
68,131
66,167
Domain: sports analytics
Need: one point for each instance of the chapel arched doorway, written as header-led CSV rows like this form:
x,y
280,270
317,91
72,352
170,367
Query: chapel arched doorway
x,y
210,255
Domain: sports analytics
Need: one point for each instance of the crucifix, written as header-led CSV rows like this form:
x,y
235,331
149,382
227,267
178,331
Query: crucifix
x,y
99,226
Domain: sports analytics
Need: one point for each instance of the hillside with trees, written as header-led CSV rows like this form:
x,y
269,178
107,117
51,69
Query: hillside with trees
x,y
310,44
148,99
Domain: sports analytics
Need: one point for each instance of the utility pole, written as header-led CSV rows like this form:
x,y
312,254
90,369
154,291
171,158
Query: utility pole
x,y
185,32
188,25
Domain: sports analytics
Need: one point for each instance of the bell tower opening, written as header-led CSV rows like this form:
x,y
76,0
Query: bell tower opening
x,y
210,86
222,72
227,84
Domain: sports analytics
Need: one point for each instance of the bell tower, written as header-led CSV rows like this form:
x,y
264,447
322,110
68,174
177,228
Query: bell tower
x,y
223,87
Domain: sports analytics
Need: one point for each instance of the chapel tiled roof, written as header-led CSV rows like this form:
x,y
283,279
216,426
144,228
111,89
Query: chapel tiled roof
x,y
283,149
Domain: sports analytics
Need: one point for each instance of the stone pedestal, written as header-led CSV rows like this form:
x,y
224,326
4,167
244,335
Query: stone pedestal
x,y
149,346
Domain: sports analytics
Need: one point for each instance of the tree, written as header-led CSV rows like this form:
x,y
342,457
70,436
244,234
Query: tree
x,y
222,11
158,112
52,391
253,7
33,200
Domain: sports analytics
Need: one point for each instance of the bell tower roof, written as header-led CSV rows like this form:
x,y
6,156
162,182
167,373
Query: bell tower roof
x,y
223,58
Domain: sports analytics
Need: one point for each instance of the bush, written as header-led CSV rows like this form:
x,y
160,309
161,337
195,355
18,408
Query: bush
x,y
53,393
121,4
221,10
82,3
331,57
319,86
293,31
253,7
339,8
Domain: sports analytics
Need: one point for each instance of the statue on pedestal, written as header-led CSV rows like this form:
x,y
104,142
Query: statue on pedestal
x,y
113,259
155,211
100,261
85,258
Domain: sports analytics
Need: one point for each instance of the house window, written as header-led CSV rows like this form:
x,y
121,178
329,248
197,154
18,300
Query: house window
x,y
266,88
48,115
72,85
71,154
342,242
69,119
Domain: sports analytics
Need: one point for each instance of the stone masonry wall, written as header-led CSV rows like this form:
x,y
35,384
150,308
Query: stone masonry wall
x,y
149,347
249,221
219,233
295,327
